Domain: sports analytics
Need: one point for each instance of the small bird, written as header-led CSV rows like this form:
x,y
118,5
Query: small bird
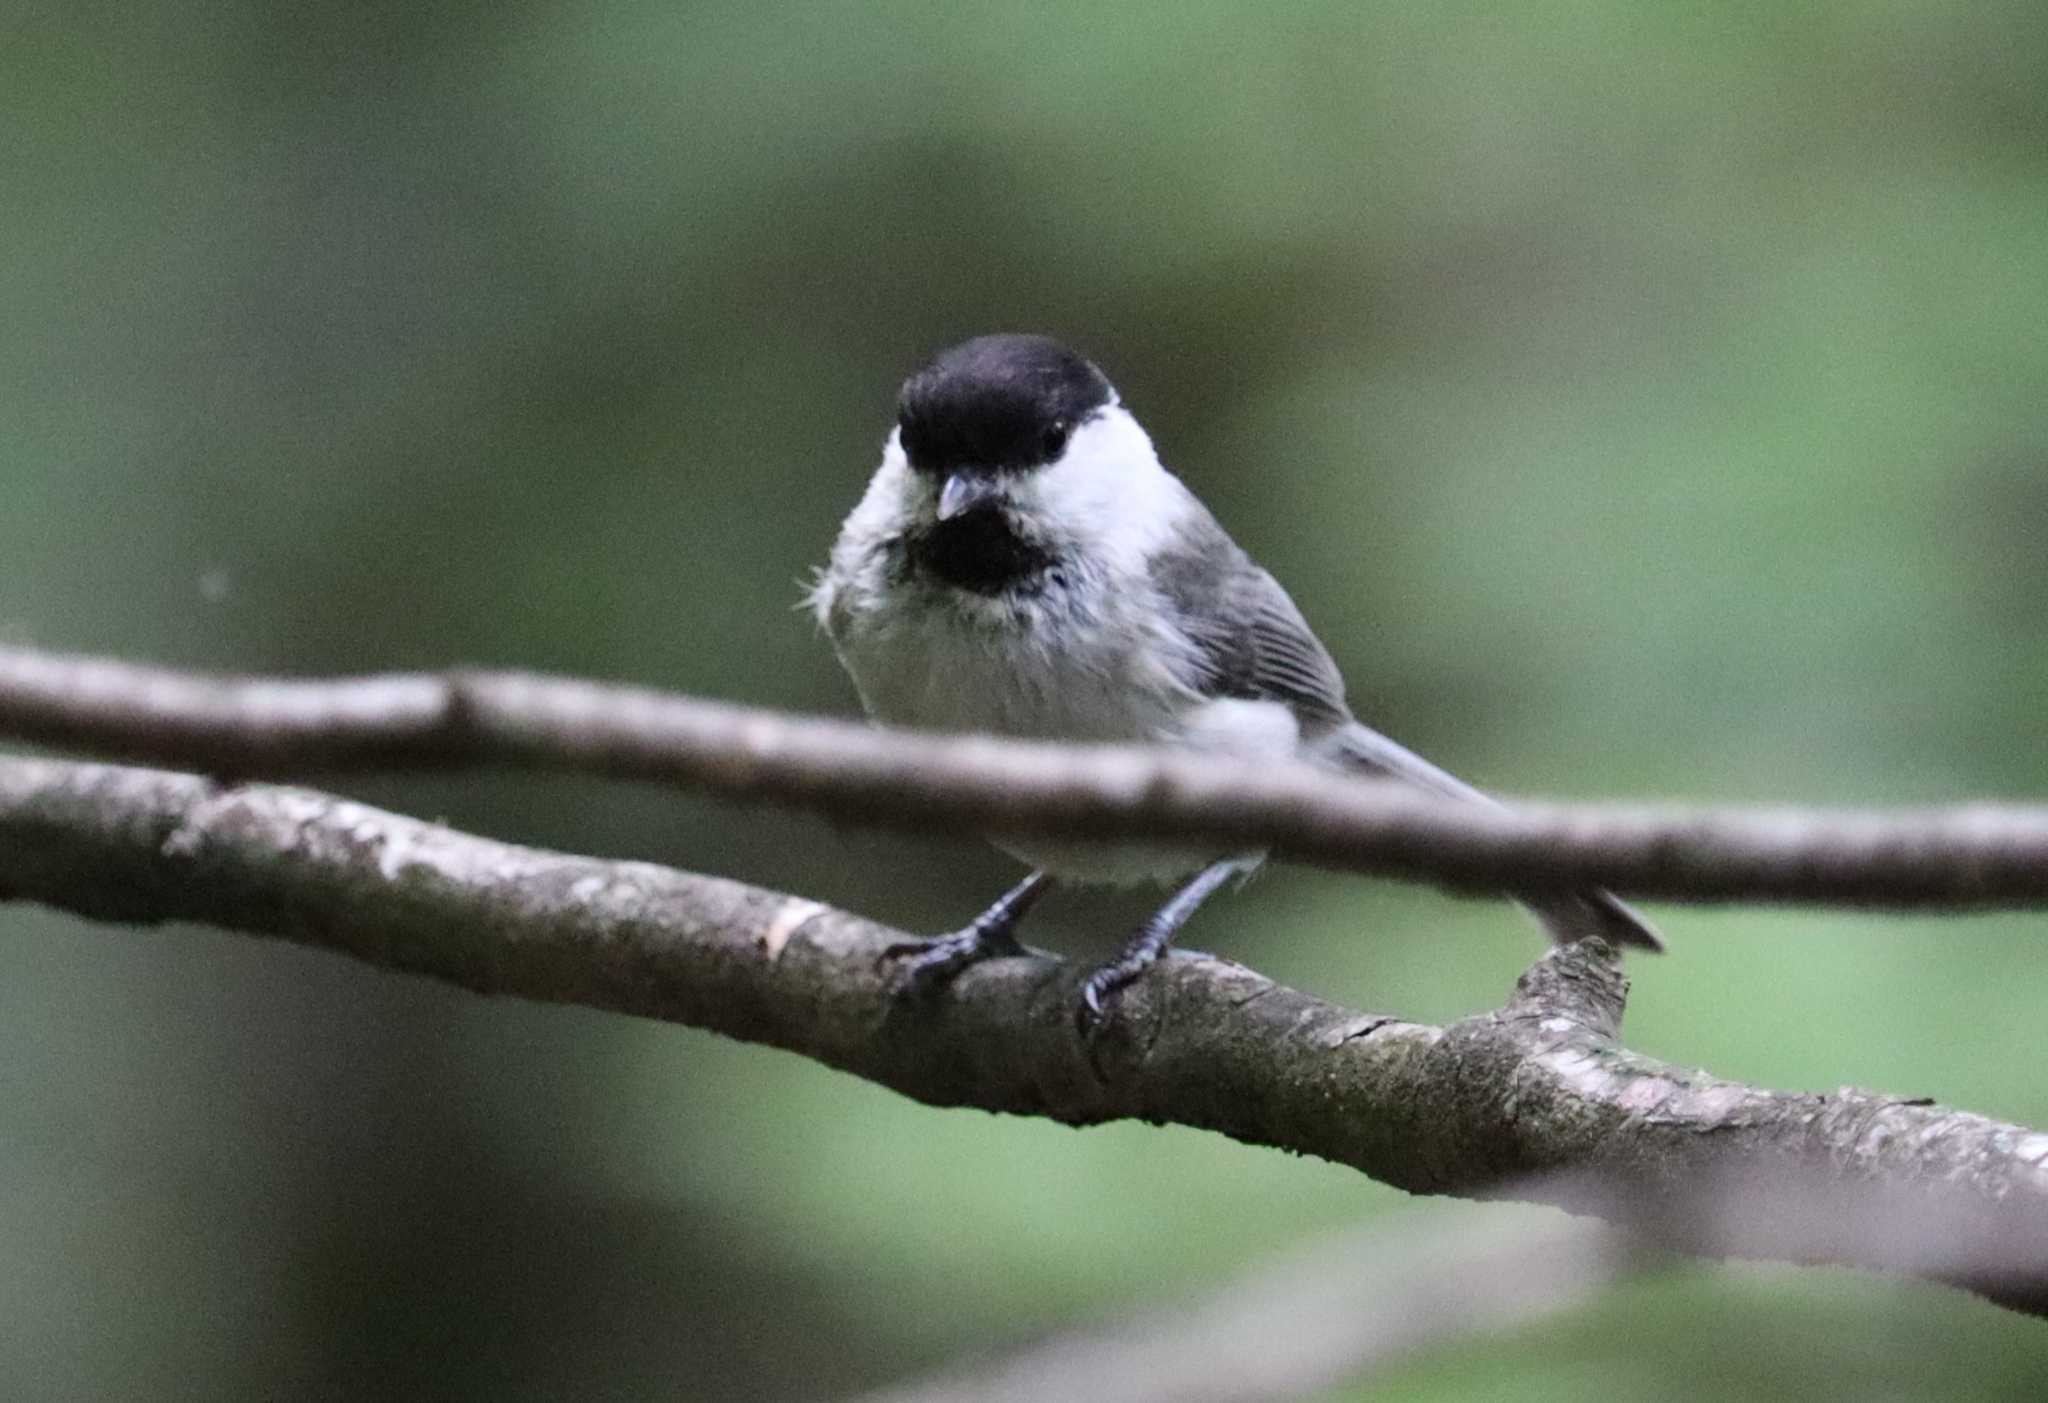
x,y
1023,565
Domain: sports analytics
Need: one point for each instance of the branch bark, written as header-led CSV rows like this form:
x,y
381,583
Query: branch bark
x,y
1977,856
1536,1100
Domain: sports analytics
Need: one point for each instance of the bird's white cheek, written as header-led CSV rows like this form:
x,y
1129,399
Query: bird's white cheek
x,y
1111,491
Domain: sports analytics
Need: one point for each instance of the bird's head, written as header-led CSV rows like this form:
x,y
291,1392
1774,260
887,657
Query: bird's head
x,y
1019,454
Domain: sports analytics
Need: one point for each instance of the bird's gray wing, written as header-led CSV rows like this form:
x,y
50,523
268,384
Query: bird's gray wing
x,y
1361,749
1250,639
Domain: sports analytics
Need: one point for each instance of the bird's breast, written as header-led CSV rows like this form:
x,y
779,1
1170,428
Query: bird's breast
x,y
1065,662
1080,660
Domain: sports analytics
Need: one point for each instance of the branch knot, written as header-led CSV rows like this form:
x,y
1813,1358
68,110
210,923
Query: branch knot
x,y
1581,981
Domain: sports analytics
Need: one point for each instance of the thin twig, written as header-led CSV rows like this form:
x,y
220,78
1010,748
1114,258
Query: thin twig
x,y
1976,856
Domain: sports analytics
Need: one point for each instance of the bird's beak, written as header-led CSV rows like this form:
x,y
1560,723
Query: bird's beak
x,y
964,492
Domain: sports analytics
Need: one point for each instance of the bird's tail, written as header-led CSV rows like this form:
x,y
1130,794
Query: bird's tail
x,y
1577,915
1573,916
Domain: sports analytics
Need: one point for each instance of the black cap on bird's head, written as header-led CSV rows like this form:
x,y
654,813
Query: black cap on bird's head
x,y
1003,403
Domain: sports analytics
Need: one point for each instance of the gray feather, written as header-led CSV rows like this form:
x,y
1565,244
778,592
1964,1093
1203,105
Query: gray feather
x,y
1252,642
1569,917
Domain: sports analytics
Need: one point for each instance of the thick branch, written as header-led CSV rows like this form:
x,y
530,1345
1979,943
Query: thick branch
x,y
1977,856
1486,1106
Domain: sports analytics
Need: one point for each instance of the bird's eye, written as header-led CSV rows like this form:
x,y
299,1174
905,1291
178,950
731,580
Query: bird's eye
x,y
1053,441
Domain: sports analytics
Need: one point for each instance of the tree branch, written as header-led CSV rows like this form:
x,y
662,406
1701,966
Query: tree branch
x,y
1978,856
1535,1100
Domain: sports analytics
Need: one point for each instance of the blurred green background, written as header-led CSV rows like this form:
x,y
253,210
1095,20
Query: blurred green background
x,y
1642,400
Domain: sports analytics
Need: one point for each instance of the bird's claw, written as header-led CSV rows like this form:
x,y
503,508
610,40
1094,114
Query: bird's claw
x,y
1098,999
934,963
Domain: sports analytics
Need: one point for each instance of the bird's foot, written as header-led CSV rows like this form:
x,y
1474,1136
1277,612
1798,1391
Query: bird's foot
x,y
933,964
1147,943
1101,989
930,965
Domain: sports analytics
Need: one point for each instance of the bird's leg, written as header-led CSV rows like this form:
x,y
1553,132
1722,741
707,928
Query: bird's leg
x,y
1149,942
991,934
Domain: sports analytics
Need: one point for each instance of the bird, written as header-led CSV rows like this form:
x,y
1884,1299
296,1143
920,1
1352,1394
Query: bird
x,y
1022,564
